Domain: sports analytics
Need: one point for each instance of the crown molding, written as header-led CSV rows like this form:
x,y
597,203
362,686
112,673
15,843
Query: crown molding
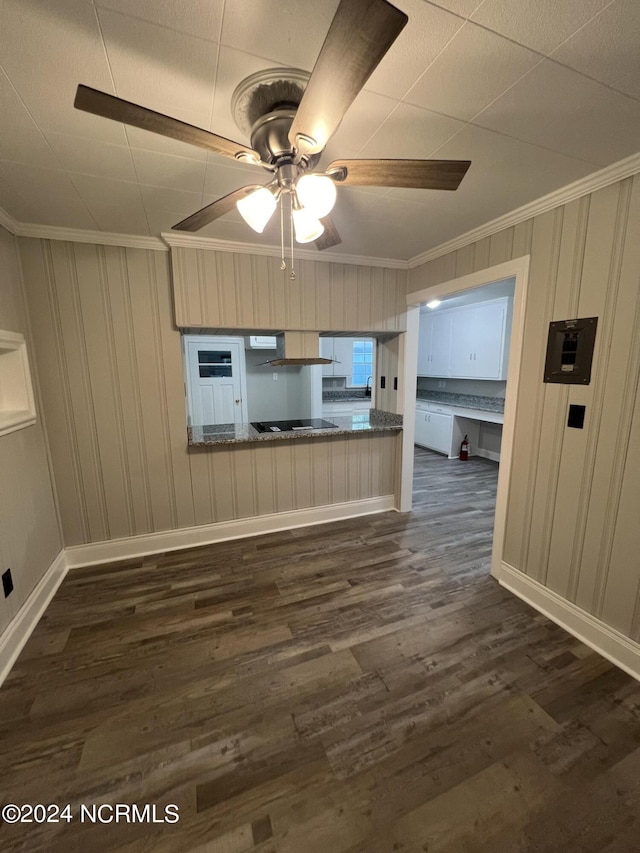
x,y
78,235
7,221
187,241
595,181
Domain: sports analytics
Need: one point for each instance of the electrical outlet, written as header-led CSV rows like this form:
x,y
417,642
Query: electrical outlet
x,y
7,583
275,377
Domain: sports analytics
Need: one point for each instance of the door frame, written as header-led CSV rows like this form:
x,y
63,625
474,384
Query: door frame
x,y
214,340
518,269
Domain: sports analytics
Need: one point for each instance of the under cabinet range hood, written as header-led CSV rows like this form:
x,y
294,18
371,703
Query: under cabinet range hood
x,y
299,348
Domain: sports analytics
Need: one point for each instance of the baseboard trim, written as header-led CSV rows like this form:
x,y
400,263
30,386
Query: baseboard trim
x,y
611,644
207,534
15,637
488,454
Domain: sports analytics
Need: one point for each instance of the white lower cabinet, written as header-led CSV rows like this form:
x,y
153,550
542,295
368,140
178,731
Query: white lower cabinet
x,y
434,430
345,409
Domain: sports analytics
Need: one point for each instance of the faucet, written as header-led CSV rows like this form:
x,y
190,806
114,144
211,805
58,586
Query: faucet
x,y
367,390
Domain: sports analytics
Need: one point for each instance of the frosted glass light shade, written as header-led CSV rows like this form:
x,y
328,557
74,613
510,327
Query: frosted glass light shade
x,y
317,193
257,208
306,226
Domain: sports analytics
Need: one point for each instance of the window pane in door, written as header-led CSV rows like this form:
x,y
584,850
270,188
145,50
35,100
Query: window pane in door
x,y
211,356
214,371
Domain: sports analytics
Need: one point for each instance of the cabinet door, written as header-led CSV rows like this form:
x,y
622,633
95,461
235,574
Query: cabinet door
x,y
425,331
462,332
343,354
326,351
439,364
420,436
439,432
488,340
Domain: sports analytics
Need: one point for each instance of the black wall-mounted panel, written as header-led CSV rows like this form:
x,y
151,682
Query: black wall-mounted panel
x,y
570,351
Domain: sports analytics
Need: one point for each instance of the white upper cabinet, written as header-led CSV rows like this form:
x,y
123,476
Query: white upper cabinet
x,y
470,342
326,351
341,351
434,344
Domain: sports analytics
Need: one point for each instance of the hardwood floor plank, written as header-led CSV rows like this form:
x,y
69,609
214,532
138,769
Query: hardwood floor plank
x,y
358,687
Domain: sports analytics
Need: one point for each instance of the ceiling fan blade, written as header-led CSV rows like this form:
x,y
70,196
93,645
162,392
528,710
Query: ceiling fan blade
x,y
109,106
214,210
329,236
420,174
361,32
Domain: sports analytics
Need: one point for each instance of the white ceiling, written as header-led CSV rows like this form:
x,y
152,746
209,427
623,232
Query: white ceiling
x,y
536,93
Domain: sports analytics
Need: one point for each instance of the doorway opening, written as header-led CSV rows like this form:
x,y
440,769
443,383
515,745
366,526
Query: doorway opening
x,y
461,377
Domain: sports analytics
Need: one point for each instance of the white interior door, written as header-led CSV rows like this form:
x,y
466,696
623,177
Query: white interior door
x,y
216,380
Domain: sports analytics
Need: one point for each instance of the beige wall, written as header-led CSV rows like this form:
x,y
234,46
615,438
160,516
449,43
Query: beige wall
x,y
229,290
110,361
29,535
573,519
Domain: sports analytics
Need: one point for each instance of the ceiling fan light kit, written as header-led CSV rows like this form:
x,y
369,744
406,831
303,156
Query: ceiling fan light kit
x,y
289,116
307,227
257,208
316,193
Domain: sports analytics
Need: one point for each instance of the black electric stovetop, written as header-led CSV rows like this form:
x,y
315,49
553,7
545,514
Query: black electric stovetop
x,y
303,425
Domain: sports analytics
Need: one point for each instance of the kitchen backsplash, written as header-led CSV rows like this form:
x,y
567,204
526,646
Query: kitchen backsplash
x,y
479,387
344,394
467,401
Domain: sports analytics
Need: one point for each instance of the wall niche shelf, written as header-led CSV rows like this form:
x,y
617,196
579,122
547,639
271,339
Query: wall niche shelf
x,y
17,405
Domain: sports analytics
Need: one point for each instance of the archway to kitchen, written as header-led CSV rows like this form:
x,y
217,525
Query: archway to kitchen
x,y
518,270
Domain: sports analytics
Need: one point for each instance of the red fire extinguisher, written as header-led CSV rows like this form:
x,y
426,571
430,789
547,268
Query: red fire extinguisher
x,y
464,449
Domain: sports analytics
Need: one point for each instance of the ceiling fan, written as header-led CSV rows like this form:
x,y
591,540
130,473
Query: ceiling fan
x,y
290,125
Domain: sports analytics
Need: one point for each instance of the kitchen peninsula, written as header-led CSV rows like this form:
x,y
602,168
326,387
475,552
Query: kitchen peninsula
x,y
216,434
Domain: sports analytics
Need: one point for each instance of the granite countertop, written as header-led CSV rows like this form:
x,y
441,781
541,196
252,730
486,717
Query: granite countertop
x,y
463,401
215,434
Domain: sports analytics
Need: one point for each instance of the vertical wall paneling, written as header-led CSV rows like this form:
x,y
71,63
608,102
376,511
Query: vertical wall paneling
x,y
346,287
55,388
30,536
522,236
97,322
617,373
127,385
153,402
572,521
226,290
580,446
529,414
173,394
551,402
501,247
481,251
465,261
109,355
65,275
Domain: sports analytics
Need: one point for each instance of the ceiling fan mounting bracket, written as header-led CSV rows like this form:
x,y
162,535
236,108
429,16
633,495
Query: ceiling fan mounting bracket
x,y
264,92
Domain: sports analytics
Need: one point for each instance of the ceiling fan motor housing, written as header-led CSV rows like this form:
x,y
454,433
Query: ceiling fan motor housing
x,y
270,138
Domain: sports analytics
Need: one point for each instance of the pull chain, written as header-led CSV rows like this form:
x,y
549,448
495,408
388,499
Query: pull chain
x,y
283,263
292,274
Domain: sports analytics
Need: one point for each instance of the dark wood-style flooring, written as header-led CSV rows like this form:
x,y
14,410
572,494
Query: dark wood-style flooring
x,y
358,687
